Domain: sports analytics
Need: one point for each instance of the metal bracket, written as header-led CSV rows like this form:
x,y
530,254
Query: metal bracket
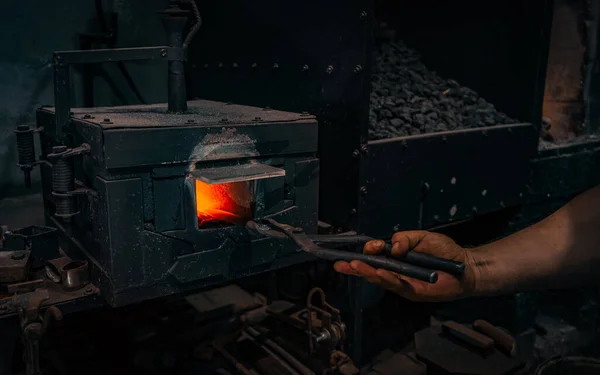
x,y
332,329
34,325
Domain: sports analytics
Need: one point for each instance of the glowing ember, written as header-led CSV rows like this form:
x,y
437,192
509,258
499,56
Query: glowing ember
x,y
225,203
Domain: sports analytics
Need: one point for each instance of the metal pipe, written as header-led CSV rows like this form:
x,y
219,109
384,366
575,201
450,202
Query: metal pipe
x,y
174,21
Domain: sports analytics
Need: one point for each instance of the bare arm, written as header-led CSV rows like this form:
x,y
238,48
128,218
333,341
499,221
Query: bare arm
x,y
561,251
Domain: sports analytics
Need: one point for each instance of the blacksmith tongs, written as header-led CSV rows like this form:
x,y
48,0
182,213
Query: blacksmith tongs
x,y
273,228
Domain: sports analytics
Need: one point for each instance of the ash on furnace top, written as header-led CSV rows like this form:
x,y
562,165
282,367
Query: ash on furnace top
x,y
200,112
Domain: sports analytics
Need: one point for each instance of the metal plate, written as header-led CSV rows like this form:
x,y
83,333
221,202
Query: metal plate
x,y
236,173
423,181
200,112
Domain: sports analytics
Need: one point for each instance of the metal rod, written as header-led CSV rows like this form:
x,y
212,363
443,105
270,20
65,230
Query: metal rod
x,y
379,261
165,53
62,101
174,22
418,259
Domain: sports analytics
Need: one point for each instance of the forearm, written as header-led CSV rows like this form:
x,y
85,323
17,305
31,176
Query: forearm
x,y
561,251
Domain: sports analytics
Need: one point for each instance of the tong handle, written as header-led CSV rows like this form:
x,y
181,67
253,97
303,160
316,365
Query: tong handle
x,y
377,261
419,259
429,261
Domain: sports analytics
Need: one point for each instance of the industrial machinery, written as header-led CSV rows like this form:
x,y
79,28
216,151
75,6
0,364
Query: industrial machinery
x,y
263,121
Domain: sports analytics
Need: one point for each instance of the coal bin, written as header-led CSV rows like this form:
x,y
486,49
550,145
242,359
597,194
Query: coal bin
x,y
409,99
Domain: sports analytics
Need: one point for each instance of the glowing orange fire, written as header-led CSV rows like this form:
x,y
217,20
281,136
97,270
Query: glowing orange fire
x,y
227,203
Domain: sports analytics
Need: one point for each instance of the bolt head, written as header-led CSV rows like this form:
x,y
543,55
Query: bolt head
x,y
89,291
358,69
163,52
363,190
329,69
356,154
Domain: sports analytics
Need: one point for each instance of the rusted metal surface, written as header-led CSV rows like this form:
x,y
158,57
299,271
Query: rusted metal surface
x,y
447,355
58,296
33,325
563,100
341,362
23,287
14,265
71,274
469,336
502,339
200,112
324,323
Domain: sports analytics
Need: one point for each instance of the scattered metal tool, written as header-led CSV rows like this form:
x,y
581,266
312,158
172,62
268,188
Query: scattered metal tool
x,y
469,336
502,339
305,243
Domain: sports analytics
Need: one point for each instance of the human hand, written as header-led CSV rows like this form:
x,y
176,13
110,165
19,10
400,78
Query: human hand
x,y
446,288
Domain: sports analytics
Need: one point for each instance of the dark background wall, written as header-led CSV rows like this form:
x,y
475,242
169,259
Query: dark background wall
x,y
31,29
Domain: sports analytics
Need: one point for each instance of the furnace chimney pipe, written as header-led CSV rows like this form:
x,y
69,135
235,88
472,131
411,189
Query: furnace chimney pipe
x,y
174,21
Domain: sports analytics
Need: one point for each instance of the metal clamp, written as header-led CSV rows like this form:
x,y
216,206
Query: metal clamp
x,y
34,325
332,330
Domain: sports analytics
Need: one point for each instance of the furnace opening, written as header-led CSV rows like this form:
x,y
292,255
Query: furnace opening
x,y
223,204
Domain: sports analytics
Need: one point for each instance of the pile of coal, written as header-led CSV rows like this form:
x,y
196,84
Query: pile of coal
x,y
409,99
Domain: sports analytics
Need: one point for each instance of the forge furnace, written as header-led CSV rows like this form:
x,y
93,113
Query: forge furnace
x,y
161,193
